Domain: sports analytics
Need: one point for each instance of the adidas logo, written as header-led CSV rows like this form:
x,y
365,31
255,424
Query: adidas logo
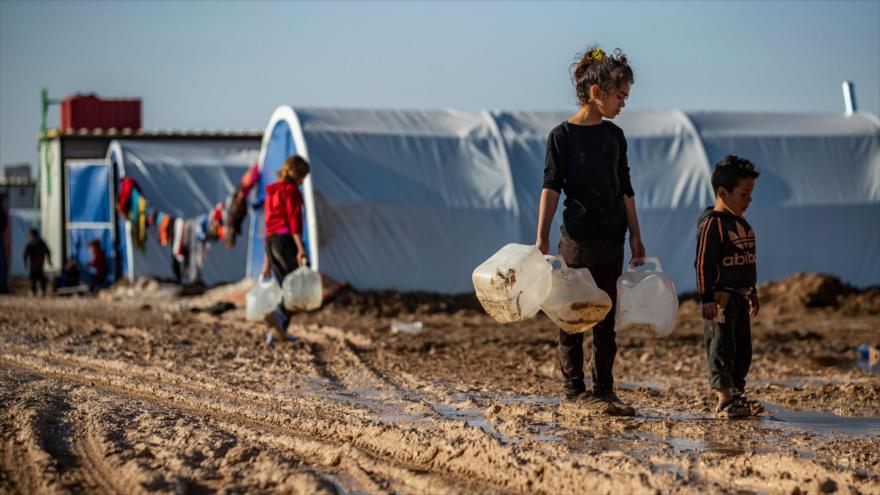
x,y
741,239
737,259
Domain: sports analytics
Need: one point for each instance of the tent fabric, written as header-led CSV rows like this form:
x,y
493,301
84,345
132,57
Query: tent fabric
x,y
415,199
184,179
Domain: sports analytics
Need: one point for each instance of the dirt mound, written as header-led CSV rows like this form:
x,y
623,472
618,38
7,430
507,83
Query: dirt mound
x,y
864,302
391,303
804,291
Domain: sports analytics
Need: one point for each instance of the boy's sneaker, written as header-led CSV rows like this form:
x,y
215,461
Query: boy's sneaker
x,y
618,407
731,408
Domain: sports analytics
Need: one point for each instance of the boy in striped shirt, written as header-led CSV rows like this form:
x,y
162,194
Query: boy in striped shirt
x,y
726,276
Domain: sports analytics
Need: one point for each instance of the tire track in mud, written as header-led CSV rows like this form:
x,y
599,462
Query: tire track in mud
x,y
55,445
97,471
368,470
456,453
27,455
350,378
87,471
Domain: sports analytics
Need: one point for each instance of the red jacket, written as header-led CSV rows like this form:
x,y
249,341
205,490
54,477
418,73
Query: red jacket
x,y
99,263
284,205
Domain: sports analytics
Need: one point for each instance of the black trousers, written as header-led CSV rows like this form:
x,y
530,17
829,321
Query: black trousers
x,y
282,255
37,276
729,344
281,250
605,261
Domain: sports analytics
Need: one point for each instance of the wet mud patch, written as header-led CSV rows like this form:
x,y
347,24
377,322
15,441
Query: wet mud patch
x,y
183,401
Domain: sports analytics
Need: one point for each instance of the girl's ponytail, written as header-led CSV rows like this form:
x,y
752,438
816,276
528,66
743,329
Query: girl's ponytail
x,y
594,66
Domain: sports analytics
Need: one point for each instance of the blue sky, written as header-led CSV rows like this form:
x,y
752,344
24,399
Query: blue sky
x,y
216,65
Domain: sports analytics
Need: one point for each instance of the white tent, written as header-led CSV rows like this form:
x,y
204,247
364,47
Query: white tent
x,y
183,179
414,200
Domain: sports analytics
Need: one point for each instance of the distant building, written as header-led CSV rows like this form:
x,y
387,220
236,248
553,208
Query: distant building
x,y
17,186
63,148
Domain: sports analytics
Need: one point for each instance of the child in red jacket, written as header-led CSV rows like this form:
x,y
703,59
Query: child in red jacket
x,y
285,250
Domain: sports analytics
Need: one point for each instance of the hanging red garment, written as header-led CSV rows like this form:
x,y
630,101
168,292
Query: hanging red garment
x,y
249,179
124,197
217,214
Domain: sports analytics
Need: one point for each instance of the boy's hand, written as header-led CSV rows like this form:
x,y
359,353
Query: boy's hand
x,y
710,310
266,272
755,306
301,258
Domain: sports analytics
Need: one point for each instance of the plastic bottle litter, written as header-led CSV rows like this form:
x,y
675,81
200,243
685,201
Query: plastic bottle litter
x,y
868,358
398,326
576,304
647,303
261,299
513,283
302,290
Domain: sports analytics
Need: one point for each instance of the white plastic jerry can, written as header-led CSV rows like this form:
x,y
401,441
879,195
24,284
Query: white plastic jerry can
x,y
513,283
576,304
647,303
261,299
302,289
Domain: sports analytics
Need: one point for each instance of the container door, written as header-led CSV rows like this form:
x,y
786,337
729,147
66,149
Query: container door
x,y
89,209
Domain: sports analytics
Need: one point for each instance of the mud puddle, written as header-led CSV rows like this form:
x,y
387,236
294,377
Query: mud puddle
x,y
819,422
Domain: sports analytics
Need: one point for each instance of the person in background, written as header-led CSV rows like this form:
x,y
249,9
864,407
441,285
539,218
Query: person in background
x,y
69,276
96,268
284,251
36,253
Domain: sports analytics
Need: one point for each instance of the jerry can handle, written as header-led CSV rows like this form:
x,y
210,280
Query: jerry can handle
x,y
551,259
646,261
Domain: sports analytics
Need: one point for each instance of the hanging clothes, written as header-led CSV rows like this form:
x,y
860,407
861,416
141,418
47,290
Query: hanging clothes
x,y
236,210
123,199
164,231
141,223
151,216
177,243
200,232
133,207
249,179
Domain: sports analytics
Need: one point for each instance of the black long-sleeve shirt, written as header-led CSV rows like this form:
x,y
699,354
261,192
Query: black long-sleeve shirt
x,y
589,164
35,253
725,254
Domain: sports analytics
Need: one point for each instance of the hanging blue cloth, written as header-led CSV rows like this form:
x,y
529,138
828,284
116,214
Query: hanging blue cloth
x,y
201,228
135,201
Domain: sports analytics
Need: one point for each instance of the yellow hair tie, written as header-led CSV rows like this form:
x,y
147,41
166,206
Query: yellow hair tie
x,y
597,54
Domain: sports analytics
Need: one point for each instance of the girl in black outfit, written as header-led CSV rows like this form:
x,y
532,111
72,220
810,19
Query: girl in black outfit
x,y
586,158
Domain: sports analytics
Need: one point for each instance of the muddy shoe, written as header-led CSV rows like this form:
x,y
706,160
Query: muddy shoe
x,y
616,406
730,409
584,404
277,322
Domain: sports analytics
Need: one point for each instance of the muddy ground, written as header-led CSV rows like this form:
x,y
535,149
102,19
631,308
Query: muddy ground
x,y
140,390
